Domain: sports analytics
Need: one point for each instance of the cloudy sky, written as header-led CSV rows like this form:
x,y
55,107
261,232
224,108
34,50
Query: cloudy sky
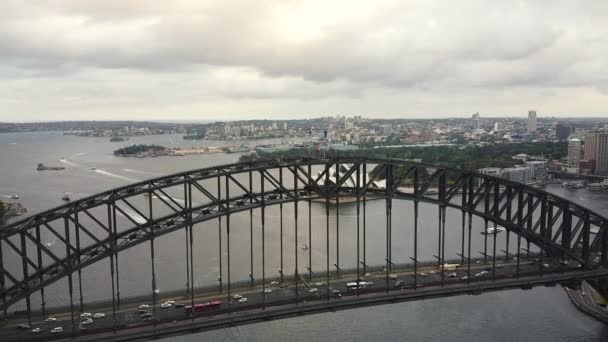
x,y
208,60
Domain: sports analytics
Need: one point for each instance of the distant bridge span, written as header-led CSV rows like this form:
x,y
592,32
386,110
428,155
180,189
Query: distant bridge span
x,y
113,221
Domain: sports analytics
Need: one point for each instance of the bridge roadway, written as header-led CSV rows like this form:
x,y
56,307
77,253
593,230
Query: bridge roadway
x,y
175,320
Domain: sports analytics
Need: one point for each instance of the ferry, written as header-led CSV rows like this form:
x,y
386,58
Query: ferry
x,y
493,230
573,185
14,196
66,197
597,186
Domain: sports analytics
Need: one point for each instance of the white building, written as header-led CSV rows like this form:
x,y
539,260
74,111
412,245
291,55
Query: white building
x,y
475,122
227,130
574,155
531,121
498,126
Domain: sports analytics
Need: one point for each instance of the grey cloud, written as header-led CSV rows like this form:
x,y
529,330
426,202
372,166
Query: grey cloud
x,y
280,49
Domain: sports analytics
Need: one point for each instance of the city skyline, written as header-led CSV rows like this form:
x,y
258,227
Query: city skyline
x,y
110,60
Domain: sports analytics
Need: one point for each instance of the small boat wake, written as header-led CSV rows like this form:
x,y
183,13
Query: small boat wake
x,y
109,174
67,162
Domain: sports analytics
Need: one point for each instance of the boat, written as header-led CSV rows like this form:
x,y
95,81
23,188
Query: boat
x,y
573,185
241,149
14,196
493,230
66,197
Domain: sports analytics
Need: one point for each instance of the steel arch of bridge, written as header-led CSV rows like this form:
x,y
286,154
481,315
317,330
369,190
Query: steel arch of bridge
x,y
559,227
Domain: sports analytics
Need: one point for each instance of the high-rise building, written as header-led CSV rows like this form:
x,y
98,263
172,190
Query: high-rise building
x,y
574,155
601,154
475,121
227,130
498,126
590,146
387,130
562,131
531,121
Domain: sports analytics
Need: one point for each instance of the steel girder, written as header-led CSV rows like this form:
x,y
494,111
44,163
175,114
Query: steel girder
x,y
557,225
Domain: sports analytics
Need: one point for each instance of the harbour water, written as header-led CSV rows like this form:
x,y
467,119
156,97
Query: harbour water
x,y
540,313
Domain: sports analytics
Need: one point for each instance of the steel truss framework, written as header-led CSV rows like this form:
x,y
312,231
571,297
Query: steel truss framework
x,y
559,227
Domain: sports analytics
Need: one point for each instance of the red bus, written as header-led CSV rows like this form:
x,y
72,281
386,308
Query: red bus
x,y
204,306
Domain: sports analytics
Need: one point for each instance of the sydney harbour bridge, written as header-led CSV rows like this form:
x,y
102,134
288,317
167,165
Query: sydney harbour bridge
x,y
528,237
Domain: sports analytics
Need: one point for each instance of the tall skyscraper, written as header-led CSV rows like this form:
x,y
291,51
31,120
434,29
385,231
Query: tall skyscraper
x,y
574,155
601,154
475,121
590,146
531,121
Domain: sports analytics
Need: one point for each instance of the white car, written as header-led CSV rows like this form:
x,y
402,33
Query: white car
x,y
546,265
86,314
464,277
243,300
267,291
86,321
422,274
313,290
392,276
36,330
50,319
144,306
166,305
453,275
56,330
99,315
170,302
320,283
237,296
274,282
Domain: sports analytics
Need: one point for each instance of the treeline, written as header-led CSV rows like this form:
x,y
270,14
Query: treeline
x,y
2,211
467,158
136,149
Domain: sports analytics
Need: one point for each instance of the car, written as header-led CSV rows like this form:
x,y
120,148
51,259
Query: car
x,y
336,293
243,300
484,272
564,262
274,282
86,321
50,319
453,275
56,330
178,305
477,275
433,272
143,311
422,274
319,283
392,276
86,314
36,330
545,265
313,290
267,291
170,302
464,277
144,306
166,305
146,315
23,327
399,283
237,296
99,315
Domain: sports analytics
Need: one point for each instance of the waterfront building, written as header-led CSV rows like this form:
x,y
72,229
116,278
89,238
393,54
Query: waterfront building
x,y
538,169
574,155
601,154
